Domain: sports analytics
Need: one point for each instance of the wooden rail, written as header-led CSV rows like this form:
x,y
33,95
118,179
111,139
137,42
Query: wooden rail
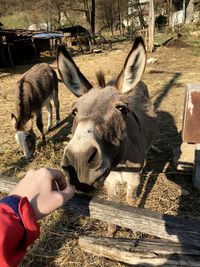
x,y
142,252
139,220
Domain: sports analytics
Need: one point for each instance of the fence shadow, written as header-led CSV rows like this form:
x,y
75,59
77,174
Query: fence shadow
x,y
65,129
169,138
166,134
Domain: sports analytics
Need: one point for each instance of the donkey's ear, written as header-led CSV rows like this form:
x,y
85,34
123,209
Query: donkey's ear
x,y
14,121
70,73
134,67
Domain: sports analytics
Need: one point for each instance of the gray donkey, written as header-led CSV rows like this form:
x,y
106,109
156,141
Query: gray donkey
x,y
113,124
34,90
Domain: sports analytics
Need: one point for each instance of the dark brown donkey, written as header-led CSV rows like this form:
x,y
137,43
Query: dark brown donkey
x,y
112,125
34,90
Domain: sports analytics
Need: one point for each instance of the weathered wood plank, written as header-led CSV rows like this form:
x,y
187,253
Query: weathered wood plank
x,y
139,220
196,173
190,132
6,184
142,252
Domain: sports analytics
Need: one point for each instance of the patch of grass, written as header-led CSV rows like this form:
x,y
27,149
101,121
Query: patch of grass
x,y
161,38
195,43
16,21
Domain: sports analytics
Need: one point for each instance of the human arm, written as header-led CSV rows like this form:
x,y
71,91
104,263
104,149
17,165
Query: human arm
x,y
35,196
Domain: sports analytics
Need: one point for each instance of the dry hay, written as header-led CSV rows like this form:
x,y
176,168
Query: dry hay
x,y
161,187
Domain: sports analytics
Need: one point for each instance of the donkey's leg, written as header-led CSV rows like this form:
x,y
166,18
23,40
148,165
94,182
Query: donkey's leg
x,y
57,106
111,186
39,124
49,109
132,181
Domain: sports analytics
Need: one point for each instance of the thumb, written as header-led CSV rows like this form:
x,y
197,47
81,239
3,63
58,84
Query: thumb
x,y
58,198
68,192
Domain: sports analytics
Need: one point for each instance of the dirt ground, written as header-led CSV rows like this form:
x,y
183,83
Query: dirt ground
x,y
162,188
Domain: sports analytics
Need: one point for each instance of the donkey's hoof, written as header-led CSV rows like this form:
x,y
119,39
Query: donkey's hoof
x,y
112,230
57,123
131,201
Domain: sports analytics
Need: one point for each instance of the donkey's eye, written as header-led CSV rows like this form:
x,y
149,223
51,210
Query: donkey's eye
x,y
74,111
123,109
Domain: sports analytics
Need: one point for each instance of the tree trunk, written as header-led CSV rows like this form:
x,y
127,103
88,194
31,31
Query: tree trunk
x,y
190,12
90,16
93,21
151,25
184,12
119,17
140,14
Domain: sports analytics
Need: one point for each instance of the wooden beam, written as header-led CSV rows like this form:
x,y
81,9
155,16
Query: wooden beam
x,y
196,173
34,48
151,26
139,220
10,55
153,252
6,184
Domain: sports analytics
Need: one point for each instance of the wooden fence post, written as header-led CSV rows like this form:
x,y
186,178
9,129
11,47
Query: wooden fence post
x,y
151,25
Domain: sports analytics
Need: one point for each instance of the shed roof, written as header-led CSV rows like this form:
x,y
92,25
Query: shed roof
x,y
18,33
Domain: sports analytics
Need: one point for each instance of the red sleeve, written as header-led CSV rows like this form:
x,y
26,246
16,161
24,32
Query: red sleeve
x,y
16,232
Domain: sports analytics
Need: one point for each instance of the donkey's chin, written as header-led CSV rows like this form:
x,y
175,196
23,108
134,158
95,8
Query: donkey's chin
x,y
98,183
73,179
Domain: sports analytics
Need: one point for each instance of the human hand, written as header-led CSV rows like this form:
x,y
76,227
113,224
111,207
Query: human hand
x,y
41,188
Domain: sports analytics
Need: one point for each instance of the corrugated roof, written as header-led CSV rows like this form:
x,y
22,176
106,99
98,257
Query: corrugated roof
x,y
29,33
48,35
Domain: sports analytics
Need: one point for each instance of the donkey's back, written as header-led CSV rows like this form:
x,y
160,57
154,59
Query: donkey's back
x,y
36,88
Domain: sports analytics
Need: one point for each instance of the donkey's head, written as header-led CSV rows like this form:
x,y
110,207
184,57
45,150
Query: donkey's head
x,y
100,118
25,136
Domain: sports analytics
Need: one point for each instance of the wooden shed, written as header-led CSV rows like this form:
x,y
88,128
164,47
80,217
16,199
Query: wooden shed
x,y
76,35
18,46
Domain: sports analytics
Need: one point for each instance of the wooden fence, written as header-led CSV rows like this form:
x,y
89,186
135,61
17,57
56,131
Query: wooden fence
x,y
174,242
145,34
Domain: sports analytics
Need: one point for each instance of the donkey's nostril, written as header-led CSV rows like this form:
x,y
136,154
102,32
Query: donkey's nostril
x,y
92,156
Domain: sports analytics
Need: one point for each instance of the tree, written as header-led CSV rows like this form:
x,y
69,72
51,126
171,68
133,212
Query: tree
x,y
111,13
88,7
151,25
90,15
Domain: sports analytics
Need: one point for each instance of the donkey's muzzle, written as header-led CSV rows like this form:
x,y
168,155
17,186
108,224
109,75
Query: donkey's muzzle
x,y
73,180
82,162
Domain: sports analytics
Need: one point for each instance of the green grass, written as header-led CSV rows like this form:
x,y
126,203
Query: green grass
x,y
16,21
194,42
161,38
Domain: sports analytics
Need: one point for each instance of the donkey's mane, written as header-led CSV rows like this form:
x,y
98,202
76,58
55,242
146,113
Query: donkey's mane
x,y
101,79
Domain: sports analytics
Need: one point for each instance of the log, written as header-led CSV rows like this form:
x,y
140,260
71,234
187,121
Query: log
x,y
149,222
141,251
6,184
